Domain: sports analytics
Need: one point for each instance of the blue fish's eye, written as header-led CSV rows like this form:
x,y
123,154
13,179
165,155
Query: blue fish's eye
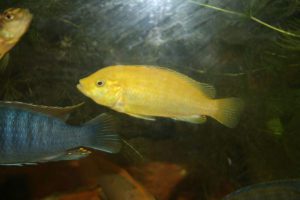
x,y
100,83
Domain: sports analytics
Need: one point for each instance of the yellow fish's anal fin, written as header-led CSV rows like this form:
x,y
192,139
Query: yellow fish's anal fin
x,y
195,119
141,116
207,89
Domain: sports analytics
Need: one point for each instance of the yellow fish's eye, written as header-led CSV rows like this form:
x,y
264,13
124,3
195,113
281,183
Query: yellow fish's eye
x,y
8,16
100,83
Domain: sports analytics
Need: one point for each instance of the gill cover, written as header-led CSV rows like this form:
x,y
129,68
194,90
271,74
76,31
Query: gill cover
x,y
108,94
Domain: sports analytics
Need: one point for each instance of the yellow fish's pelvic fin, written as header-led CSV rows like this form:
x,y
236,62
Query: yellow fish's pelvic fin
x,y
142,116
195,119
228,111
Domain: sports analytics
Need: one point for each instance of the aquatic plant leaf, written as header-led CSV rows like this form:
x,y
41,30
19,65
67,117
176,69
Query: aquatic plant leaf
x,y
251,17
275,126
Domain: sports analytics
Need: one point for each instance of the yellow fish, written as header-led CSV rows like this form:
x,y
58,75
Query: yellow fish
x,y
148,91
14,22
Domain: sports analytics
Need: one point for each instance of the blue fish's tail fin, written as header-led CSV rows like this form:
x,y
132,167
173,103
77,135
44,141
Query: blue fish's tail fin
x,y
102,135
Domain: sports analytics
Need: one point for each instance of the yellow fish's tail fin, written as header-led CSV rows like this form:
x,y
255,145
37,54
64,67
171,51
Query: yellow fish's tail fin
x,y
228,111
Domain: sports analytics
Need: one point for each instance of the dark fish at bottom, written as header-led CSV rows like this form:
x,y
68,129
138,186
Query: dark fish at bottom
x,y
274,190
28,137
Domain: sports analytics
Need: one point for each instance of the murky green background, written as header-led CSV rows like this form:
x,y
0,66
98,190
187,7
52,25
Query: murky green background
x,y
68,40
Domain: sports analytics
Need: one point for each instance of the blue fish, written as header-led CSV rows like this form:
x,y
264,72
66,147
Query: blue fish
x,y
29,137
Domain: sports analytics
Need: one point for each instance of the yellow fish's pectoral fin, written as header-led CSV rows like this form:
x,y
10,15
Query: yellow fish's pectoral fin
x,y
142,116
195,119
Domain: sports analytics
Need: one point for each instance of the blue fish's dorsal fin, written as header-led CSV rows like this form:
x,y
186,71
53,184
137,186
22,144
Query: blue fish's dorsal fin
x,y
55,111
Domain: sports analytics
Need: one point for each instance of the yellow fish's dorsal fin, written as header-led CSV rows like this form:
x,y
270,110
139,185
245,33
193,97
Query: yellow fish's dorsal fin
x,y
55,111
207,89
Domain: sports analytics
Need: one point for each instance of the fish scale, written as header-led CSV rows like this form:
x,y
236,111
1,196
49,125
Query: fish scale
x,y
7,126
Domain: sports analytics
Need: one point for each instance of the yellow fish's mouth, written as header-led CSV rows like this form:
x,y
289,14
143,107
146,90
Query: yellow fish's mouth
x,y
81,89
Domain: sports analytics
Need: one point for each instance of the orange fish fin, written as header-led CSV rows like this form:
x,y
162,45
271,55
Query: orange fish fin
x,y
195,119
228,111
142,116
207,89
